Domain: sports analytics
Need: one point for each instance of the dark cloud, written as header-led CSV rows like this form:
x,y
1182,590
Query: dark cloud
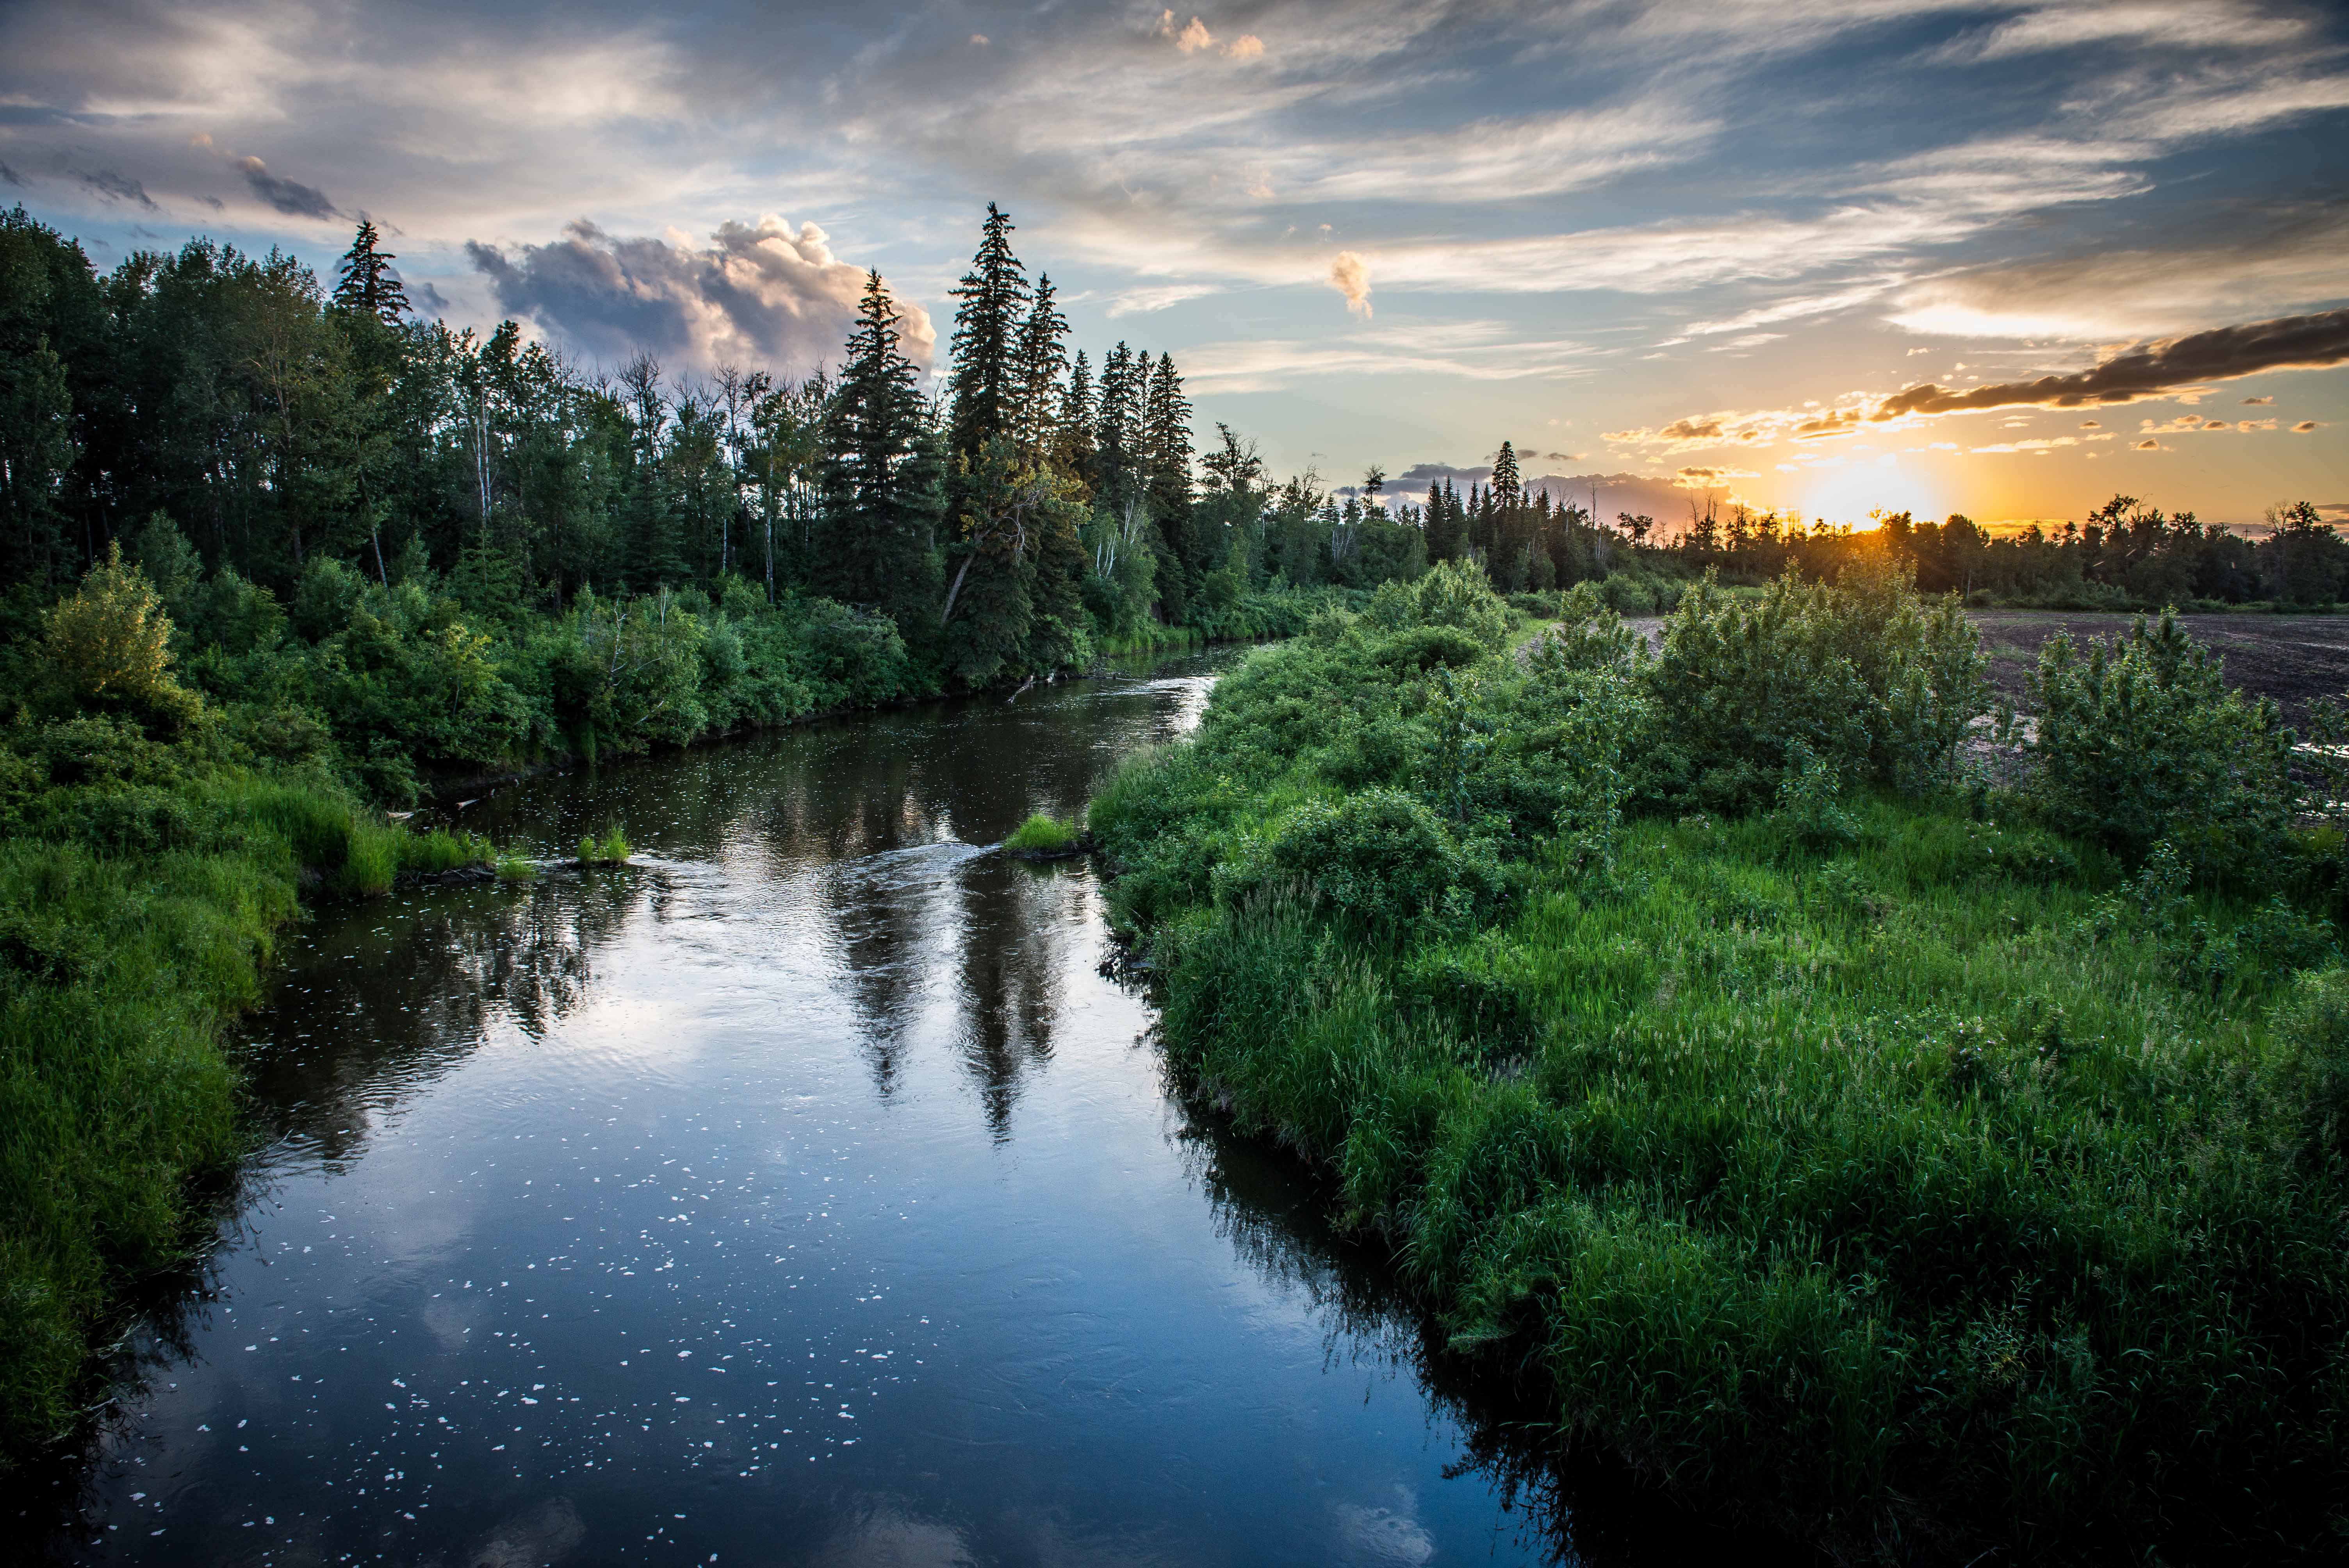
x,y
758,294
1425,474
2286,343
290,197
2304,428
119,188
10,175
427,300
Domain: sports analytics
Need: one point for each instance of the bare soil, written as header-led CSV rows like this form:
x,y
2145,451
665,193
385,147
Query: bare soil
x,y
2295,659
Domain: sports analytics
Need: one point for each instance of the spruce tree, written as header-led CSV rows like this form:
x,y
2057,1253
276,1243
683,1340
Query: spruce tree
x,y
368,285
1167,452
1043,359
882,501
1075,445
983,386
1114,421
1507,494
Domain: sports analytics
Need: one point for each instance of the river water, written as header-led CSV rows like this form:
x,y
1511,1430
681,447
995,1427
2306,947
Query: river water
x,y
802,1193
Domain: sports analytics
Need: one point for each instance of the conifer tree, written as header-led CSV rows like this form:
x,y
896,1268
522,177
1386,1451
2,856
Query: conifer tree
x,y
1114,422
1075,445
1168,456
984,385
882,499
1043,359
1507,494
368,285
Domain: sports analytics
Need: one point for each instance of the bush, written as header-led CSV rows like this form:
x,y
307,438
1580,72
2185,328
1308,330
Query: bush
x,y
2141,741
1381,858
1861,676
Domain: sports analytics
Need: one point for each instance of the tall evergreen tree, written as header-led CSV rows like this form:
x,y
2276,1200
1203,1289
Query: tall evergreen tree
x,y
1167,453
982,389
880,479
1042,360
1507,490
1075,447
369,286
1115,421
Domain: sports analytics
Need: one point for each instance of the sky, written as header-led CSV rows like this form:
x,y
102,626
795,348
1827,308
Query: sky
x,y
1998,256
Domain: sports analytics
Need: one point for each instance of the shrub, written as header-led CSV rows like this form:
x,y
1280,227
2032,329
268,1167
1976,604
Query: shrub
x,y
2142,741
1381,858
1861,676
110,647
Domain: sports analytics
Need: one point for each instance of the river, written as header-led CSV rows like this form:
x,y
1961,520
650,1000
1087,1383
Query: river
x,y
802,1192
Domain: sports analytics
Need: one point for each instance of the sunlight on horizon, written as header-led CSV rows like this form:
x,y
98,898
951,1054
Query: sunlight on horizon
x,y
1849,492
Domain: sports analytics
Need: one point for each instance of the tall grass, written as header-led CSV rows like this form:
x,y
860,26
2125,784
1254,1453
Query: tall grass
x,y
1041,835
1897,1167
123,953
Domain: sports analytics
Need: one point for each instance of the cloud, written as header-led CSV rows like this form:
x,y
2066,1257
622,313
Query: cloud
x,y
1351,276
1246,46
1709,478
2286,343
2190,24
2255,402
2270,263
290,197
1190,39
1142,301
2041,444
2090,425
117,188
2304,427
760,294
2150,445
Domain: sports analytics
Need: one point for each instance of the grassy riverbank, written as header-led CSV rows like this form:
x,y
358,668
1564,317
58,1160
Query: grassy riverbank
x,y
150,848
1840,1141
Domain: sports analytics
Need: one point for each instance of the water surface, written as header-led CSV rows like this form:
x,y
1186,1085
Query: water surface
x,y
802,1193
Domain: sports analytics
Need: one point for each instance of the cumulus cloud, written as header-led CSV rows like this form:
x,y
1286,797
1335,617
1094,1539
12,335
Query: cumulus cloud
x,y
2304,427
290,197
1709,478
2254,402
2150,445
1190,38
1246,46
1350,274
762,293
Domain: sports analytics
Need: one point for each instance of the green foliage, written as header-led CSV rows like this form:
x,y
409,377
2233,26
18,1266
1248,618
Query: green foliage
x,y
1863,1157
1041,835
2142,741
612,850
1861,676
141,881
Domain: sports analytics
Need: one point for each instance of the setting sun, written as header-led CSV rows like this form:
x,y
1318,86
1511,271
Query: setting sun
x,y
1851,489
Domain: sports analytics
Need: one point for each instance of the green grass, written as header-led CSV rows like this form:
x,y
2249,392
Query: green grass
x,y
1892,1166
613,849
134,923
1041,835
516,868
1865,1185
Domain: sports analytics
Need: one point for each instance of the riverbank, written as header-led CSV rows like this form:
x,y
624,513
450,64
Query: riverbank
x,y
1839,1150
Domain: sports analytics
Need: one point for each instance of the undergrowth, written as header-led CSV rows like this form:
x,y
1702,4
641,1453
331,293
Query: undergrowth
x,y
1880,1159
